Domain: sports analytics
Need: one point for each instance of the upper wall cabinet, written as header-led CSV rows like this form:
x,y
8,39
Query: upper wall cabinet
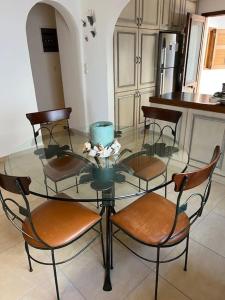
x,y
141,13
130,15
166,14
149,14
190,7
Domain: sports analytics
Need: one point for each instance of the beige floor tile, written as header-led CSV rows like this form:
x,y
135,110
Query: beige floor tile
x,y
220,207
205,278
87,274
146,290
211,233
47,291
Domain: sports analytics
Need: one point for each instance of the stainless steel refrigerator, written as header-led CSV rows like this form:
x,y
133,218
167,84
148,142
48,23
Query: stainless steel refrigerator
x,y
169,56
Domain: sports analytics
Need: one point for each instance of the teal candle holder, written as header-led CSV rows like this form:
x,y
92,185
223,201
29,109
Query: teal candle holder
x,y
102,133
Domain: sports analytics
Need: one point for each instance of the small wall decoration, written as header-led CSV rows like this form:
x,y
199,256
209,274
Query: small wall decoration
x,y
89,25
49,40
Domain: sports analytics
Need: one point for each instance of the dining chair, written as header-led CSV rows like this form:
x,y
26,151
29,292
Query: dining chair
x,y
145,164
65,165
155,221
52,225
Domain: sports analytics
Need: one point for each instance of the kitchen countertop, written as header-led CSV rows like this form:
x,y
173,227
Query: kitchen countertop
x,y
189,100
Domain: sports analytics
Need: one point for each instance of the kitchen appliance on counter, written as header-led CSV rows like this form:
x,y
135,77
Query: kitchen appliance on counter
x,y
168,68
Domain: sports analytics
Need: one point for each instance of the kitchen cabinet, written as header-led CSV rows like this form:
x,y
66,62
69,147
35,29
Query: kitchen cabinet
x,y
126,58
129,15
143,99
177,13
135,53
125,110
128,110
166,14
141,13
148,46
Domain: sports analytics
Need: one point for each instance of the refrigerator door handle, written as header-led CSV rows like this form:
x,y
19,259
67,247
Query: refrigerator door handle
x,y
162,82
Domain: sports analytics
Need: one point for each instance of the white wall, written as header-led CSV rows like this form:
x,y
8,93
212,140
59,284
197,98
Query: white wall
x,y
210,5
211,80
17,95
45,66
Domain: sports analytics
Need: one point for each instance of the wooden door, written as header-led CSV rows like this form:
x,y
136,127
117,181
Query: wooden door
x,y
194,33
166,14
125,58
130,14
148,46
125,110
143,99
150,14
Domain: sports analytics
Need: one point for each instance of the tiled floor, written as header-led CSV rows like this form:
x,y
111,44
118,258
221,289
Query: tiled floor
x,y
132,279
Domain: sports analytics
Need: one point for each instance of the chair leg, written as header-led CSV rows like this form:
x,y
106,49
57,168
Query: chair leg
x,y
157,273
28,256
139,184
102,243
146,186
111,229
55,274
56,188
166,185
186,253
77,185
97,200
46,186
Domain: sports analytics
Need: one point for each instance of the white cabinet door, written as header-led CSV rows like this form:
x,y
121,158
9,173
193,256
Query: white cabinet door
x,y
129,15
125,110
177,7
125,58
150,14
166,14
148,46
205,131
143,99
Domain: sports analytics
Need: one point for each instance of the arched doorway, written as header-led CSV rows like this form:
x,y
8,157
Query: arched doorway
x,y
57,76
43,47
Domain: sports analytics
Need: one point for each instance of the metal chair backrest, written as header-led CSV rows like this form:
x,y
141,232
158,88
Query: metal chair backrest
x,y
151,114
50,117
188,181
13,209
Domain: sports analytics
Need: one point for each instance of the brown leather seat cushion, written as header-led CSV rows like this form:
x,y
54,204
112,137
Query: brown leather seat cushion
x,y
63,167
150,219
146,167
59,222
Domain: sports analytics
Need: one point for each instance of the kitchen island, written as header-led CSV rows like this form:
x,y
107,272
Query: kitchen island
x,y
202,125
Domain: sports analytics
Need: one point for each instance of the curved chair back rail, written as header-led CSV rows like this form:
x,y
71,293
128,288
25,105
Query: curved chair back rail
x,y
15,184
49,116
186,181
161,114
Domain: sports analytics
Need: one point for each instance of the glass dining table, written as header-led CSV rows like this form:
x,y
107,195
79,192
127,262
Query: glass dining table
x,y
106,182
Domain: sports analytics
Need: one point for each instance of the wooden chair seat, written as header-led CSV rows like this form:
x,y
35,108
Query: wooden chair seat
x,y
150,219
63,167
146,167
58,223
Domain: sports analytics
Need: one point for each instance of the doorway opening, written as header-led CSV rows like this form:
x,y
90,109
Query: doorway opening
x,y
41,27
213,69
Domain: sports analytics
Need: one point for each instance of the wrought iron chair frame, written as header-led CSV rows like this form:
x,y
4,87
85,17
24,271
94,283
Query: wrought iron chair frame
x,y
192,218
153,113
61,115
21,186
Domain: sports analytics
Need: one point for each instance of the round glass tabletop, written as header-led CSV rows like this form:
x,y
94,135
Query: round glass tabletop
x,y
60,166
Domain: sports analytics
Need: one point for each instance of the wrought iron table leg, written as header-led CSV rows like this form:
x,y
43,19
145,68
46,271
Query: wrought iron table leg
x,y
107,283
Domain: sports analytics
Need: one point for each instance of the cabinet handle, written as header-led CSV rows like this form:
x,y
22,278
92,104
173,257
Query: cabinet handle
x,y
138,21
141,20
137,60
